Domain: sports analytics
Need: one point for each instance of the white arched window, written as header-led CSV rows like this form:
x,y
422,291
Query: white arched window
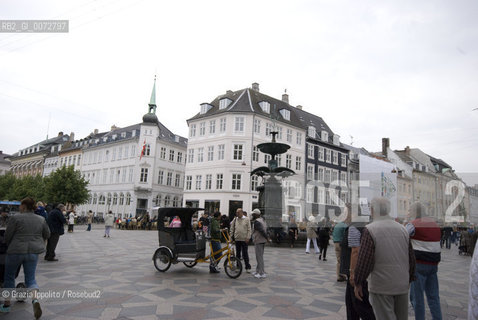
x,y
175,202
95,198
108,200
128,199
167,201
157,200
101,199
115,199
121,199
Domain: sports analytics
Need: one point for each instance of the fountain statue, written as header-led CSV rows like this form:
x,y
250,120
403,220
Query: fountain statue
x,y
270,192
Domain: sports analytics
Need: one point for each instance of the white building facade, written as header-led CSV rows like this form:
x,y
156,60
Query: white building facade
x,y
133,169
222,151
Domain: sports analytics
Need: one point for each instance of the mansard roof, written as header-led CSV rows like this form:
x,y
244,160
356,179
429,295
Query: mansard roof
x,y
247,101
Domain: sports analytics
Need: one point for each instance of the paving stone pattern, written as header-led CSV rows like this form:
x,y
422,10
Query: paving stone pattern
x,y
298,286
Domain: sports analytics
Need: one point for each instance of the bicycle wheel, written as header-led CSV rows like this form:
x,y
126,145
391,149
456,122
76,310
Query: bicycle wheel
x,y
232,267
162,259
190,264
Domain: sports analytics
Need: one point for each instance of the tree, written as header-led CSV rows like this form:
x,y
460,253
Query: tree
x,y
27,186
6,185
66,186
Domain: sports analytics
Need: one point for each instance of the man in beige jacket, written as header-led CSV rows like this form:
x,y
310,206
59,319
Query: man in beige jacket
x,y
241,233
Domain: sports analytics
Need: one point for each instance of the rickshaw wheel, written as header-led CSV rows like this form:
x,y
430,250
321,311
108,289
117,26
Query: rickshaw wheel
x,y
190,264
21,285
162,259
233,267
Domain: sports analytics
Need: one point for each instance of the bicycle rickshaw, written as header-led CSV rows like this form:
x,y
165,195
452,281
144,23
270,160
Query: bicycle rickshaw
x,y
185,245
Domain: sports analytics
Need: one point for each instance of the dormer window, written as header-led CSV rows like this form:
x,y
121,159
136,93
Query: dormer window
x,y
205,107
285,114
325,136
123,134
265,106
336,139
311,131
224,103
105,139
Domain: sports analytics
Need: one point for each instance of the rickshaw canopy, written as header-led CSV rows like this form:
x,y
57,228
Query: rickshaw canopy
x,y
185,214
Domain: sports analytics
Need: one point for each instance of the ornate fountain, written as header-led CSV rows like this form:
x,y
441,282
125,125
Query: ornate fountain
x,y
271,202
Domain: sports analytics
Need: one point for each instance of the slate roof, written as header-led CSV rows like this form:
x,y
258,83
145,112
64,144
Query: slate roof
x,y
440,162
45,146
4,158
247,101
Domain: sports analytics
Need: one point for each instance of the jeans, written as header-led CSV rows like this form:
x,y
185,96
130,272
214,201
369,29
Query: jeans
x,y
216,246
241,249
13,261
426,280
357,309
89,227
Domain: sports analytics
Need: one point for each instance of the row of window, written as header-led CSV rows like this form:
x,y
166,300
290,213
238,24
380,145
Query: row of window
x,y
327,196
110,176
110,199
326,174
239,128
169,201
167,179
327,155
117,153
217,182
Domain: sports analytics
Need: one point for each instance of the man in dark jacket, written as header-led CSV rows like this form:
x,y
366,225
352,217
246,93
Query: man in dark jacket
x,y
56,222
215,241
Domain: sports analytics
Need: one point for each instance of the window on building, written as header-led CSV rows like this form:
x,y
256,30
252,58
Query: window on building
x,y
189,181
310,151
239,124
298,163
288,161
285,114
212,127
237,153
224,103
279,133
327,155
101,200
327,197
289,135
147,150
268,129
202,129
177,180
115,199
310,171
133,151
108,199
254,182
118,173
131,171
255,154
208,181
320,174
175,202
169,179
113,156
210,153
120,153
205,107
311,131
171,155
279,160
190,155
321,153
335,158
157,200
220,152
219,180
267,158
310,194
95,198
325,136
161,177
198,182
222,125
121,199
79,160
236,181
327,175
192,130
112,175
343,161
321,195
343,176
335,176
180,157
162,153
167,201
128,199
265,106
257,126
298,139
144,175
200,154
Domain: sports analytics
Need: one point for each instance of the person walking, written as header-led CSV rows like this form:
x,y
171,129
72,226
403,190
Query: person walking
x,y
311,235
89,220
109,222
241,233
338,236
259,236
40,210
386,255
324,237
71,221
425,234
56,221
447,231
215,242
25,236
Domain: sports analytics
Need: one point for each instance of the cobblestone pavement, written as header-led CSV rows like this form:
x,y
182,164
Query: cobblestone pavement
x,y
120,269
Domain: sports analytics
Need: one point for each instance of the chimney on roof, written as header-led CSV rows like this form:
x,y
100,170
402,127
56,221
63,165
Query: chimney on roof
x,y
407,150
229,92
95,131
299,107
72,136
255,86
60,134
285,97
385,146
114,127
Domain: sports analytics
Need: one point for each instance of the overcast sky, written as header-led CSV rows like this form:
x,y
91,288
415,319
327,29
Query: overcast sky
x,y
406,70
